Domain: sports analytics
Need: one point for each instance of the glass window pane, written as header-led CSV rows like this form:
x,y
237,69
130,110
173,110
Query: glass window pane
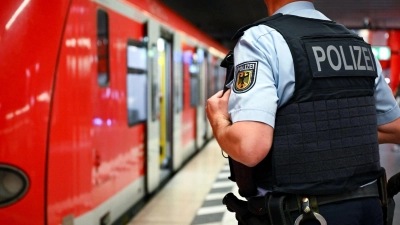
x,y
103,76
137,58
194,95
136,98
136,82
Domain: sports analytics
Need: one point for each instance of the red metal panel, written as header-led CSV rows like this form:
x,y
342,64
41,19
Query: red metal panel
x,y
30,32
394,44
379,38
93,153
70,153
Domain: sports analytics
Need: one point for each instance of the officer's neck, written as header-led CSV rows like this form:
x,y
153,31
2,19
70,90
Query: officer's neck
x,y
274,5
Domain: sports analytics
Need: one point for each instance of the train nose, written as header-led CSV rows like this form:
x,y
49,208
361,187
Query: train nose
x,y
13,185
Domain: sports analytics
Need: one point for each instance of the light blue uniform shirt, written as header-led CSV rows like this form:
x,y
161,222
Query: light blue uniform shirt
x,y
274,80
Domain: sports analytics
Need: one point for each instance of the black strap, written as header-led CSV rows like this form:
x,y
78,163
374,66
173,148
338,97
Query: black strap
x,y
228,63
276,210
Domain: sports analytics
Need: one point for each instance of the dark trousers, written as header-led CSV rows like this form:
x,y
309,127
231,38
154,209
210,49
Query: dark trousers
x,y
363,211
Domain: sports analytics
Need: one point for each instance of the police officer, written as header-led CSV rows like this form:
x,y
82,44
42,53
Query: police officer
x,y
306,110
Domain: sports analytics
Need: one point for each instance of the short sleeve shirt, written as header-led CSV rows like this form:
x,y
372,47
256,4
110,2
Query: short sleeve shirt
x,y
266,53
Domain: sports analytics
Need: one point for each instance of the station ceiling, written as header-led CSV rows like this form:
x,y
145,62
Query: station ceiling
x,y
222,18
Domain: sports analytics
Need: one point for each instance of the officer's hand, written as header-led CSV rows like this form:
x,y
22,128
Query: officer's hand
x,y
217,110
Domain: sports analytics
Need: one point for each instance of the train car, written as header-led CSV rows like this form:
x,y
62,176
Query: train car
x,y
101,101
386,47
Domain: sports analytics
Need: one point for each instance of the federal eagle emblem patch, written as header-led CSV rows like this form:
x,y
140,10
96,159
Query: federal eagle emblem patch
x,y
245,76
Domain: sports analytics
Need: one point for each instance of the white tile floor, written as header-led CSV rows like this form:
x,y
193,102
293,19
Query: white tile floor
x,y
177,203
189,193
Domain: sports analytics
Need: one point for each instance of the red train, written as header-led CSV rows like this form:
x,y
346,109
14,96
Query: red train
x,y
100,101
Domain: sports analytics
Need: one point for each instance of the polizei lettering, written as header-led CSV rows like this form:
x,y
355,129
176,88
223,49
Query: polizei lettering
x,y
359,55
340,57
246,67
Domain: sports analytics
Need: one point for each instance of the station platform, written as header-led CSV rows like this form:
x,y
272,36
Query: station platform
x,y
194,195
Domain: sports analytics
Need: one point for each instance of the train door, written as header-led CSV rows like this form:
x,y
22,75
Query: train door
x,y
164,48
201,118
177,105
190,90
210,83
153,121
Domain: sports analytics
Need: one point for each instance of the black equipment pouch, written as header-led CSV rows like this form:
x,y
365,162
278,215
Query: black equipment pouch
x,y
382,188
393,187
242,213
241,174
274,206
267,210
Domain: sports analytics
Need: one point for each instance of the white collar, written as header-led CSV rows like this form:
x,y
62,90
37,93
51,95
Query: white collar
x,y
294,6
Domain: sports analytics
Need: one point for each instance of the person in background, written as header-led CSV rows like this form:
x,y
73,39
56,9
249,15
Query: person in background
x,y
303,119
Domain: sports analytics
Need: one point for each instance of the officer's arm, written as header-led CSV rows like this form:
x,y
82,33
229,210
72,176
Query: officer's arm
x,y
390,132
247,142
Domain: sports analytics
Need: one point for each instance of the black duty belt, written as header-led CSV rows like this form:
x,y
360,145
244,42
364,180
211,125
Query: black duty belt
x,y
278,208
279,205
292,200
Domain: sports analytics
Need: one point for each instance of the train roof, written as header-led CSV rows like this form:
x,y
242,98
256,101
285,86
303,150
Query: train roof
x,y
166,16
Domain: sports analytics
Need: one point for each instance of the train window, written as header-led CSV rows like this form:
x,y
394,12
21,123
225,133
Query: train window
x,y
211,78
194,70
215,79
201,71
136,82
194,88
103,73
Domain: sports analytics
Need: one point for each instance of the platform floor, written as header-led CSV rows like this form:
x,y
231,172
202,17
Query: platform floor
x,y
194,195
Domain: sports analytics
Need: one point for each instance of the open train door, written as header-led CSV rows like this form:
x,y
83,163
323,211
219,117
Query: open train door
x,y
153,121
164,49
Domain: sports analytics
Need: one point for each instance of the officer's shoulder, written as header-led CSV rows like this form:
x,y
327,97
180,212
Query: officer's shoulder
x,y
254,27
